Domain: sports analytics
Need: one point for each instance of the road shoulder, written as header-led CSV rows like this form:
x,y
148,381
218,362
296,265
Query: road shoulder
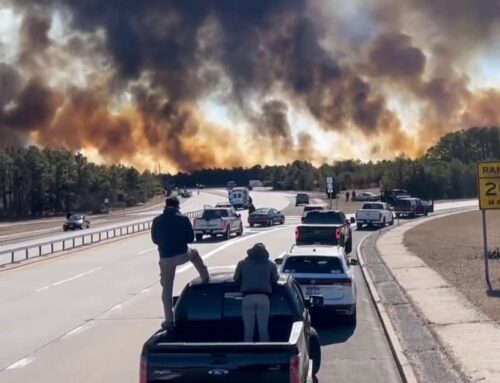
x,y
417,349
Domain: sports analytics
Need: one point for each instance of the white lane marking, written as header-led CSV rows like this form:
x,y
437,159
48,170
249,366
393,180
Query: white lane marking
x,y
117,307
229,244
77,330
146,251
58,283
20,363
146,290
222,267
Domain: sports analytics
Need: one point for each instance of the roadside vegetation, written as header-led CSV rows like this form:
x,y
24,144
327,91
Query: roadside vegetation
x,y
39,182
447,170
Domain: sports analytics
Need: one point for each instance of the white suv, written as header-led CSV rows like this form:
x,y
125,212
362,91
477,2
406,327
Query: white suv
x,y
323,271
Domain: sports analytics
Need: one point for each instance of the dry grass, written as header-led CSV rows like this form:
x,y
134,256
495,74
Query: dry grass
x,y
453,246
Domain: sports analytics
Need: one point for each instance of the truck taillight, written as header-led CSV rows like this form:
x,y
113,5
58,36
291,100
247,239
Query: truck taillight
x,y
295,369
344,281
143,370
338,234
297,235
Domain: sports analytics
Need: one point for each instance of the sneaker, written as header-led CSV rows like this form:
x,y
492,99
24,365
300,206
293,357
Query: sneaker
x,y
167,325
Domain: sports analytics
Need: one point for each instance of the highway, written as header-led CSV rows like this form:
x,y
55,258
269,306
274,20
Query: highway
x,y
83,317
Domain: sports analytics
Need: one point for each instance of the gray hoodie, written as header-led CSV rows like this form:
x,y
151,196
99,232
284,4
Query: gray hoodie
x,y
256,274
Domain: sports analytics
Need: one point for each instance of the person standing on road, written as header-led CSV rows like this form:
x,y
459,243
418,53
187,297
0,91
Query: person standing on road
x,y
256,275
172,232
353,195
347,195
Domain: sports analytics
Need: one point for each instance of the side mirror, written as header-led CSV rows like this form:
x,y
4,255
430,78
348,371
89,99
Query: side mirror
x,y
278,261
353,220
315,301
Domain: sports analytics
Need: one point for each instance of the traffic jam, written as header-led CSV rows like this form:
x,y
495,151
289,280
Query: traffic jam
x,y
257,324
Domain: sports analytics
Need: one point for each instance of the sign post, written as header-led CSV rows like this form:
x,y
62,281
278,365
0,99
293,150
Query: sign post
x,y
329,190
488,181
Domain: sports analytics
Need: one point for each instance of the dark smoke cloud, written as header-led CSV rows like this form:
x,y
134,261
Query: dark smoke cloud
x,y
262,58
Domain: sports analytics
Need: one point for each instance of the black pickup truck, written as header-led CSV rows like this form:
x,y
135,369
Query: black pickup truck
x,y
206,344
326,227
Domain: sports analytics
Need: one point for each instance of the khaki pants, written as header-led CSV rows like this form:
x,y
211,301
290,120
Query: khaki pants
x,y
167,276
256,306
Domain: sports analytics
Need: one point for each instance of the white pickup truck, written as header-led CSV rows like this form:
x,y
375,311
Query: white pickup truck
x,y
374,214
217,221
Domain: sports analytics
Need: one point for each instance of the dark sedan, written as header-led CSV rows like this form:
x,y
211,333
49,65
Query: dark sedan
x,y
76,221
266,216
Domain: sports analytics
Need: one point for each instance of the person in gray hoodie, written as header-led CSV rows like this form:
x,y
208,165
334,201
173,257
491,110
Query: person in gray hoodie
x,y
256,275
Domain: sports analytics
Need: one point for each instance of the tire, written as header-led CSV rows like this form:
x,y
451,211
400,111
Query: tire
x,y
348,247
426,213
239,233
352,319
227,235
199,237
314,351
251,224
359,226
65,229
392,222
384,223
282,221
270,223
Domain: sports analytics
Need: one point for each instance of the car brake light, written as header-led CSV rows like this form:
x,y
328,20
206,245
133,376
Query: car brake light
x,y
295,369
143,370
343,281
297,235
338,234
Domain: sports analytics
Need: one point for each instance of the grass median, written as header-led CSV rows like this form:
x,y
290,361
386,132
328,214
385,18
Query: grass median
x,y
453,246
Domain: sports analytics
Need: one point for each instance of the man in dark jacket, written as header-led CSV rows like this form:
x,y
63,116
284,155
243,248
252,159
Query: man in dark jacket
x,y
256,275
171,232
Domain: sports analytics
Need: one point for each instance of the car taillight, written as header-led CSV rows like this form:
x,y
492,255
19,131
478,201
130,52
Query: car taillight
x,y
143,370
338,234
297,235
295,369
343,281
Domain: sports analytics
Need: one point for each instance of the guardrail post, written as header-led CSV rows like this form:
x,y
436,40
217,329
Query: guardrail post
x,y
27,253
51,247
73,241
12,257
40,250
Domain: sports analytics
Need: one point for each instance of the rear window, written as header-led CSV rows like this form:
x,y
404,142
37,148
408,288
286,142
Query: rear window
x,y
373,206
311,208
302,196
262,211
321,217
403,203
217,302
214,214
313,265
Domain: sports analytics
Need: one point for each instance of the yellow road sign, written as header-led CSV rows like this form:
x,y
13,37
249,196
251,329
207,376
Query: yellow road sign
x,y
488,180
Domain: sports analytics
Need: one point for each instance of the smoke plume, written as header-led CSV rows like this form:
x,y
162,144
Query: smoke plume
x,y
132,79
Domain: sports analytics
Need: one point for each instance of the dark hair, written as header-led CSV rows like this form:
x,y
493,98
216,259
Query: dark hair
x,y
172,201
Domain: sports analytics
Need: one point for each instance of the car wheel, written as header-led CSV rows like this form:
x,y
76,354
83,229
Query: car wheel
x,y
239,233
251,224
314,351
199,237
348,246
359,226
392,222
383,223
227,235
283,220
426,213
270,223
65,229
352,319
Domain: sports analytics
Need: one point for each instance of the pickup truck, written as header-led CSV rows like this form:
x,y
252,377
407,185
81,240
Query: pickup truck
x,y
412,207
206,345
218,221
374,214
325,227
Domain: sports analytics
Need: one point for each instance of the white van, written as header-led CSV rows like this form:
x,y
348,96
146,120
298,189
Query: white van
x,y
239,198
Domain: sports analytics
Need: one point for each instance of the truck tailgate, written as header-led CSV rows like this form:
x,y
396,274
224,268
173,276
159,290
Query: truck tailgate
x,y
368,215
242,365
310,234
204,224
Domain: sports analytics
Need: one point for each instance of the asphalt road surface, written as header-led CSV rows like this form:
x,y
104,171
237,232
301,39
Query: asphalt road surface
x,y
83,317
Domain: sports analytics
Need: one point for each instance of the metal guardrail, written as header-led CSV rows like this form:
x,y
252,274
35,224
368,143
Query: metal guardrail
x,y
23,253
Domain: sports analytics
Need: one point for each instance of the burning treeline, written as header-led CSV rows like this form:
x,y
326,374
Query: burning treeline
x,y
127,78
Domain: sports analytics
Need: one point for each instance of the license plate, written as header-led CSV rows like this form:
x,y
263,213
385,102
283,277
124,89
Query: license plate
x,y
312,291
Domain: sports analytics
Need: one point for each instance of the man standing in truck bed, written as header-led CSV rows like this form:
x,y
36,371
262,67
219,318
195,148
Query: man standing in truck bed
x,y
172,232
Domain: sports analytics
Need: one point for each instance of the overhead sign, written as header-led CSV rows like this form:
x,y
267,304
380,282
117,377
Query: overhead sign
x,y
488,180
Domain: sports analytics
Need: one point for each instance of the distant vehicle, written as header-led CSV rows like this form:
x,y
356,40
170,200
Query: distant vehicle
x,y
224,204
185,193
200,186
324,271
412,207
76,221
231,185
366,196
309,208
206,344
374,214
390,196
328,227
255,183
218,221
302,199
239,198
266,216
